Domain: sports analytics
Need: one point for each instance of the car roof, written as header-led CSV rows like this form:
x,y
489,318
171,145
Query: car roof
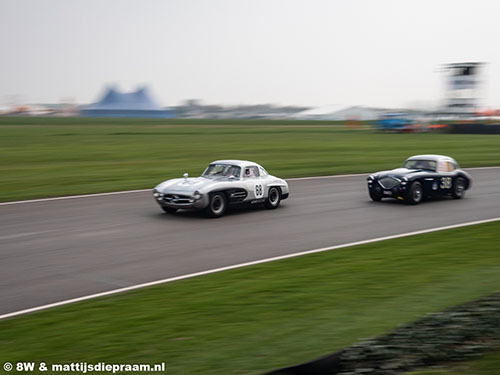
x,y
239,163
431,157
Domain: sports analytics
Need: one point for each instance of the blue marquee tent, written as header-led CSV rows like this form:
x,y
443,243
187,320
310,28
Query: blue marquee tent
x,y
130,104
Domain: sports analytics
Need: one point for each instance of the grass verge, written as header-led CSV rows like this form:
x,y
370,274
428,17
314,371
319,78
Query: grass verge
x,y
266,316
48,157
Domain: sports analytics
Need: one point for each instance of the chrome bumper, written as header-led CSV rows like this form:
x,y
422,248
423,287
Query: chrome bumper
x,y
180,201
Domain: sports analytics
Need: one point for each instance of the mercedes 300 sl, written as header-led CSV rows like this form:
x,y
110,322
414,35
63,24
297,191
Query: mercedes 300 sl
x,y
224,183
421,176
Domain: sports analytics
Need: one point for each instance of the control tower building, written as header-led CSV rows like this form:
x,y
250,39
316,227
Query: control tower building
x,y
462,88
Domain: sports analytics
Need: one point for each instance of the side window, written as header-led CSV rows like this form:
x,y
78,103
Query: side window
x,y
251,172
442,167
263,172
446,167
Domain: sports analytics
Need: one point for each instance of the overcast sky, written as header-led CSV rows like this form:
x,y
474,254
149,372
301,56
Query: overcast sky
x,y
313,53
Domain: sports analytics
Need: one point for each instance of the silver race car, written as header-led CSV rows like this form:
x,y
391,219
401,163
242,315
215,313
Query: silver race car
x,y
224,183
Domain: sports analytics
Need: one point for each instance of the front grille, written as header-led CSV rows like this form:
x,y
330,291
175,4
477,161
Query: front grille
x,y
388,182
176,198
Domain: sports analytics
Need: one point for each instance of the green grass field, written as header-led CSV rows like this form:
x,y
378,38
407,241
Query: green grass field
x,y
253,319
44,157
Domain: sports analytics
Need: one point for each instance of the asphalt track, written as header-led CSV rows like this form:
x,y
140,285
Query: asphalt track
x,y
62,249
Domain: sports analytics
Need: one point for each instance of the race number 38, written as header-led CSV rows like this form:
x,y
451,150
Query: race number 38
x,y
259,191
445,183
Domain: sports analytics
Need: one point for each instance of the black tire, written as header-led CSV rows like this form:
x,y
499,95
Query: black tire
x,y
458,188
375,193
217,205
416,193
169,210
273,199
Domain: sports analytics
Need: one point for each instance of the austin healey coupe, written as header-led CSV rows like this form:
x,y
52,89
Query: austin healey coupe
x,y
420,177
224,183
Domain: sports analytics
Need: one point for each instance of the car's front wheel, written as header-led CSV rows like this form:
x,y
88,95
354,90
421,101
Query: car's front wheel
x,y
273,199
169,210
375,194
459,188
416,193
217,205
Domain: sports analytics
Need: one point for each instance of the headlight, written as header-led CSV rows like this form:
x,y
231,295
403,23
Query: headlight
x,y
370,177
197,195
158,195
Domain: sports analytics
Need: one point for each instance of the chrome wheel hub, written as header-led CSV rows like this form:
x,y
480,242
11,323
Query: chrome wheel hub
x,y
217,205
273,197
417,194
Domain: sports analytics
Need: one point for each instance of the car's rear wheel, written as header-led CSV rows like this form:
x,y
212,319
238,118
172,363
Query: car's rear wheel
x,y
273,199
459,188
416,193
169,210
217,205
375,193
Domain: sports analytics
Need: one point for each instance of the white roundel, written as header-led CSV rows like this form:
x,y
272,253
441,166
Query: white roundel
x,y
259,191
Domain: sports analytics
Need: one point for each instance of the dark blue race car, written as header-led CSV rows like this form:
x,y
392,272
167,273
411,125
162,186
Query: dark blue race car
x,y
421,176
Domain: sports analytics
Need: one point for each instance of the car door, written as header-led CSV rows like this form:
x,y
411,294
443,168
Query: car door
x,y
253,182
447,172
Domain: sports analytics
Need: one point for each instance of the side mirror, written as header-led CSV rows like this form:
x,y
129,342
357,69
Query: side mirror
x,y
232,177
186,176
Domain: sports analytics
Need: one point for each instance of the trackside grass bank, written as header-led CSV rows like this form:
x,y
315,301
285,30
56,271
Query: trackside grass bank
x,y
465,331
487,365
48,157
255,319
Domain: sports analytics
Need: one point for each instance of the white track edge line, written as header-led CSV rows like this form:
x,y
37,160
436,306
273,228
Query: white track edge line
x,y
242,265
74,197
143,190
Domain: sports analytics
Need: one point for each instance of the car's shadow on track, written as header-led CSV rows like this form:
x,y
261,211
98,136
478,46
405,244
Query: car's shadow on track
x,y
396,202
231,212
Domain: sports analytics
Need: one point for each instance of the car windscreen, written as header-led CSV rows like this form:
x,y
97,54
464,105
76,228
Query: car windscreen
x,y
222,170
429,165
